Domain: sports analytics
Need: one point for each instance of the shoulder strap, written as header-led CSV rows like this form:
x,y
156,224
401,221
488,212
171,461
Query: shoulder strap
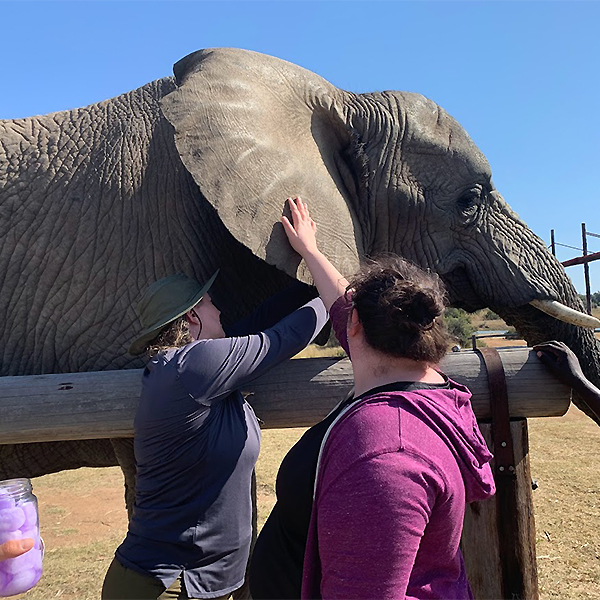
x,y
347,403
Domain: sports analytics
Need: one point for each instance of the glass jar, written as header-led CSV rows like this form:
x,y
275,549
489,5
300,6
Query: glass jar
x,y
18,520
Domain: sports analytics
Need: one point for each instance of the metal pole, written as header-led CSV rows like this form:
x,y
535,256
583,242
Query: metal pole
x,y
552,244
586,272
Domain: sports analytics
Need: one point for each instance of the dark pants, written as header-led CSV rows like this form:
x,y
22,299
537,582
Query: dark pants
x,y
122,583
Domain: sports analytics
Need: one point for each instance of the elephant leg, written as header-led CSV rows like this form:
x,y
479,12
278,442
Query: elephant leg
x,y
243,593
123,448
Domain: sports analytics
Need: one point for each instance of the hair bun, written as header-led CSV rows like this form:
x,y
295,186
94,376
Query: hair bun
x,y
425,309
411,306
398,305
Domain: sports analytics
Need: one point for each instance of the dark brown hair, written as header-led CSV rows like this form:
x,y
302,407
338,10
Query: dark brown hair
x,y
173,335
400,307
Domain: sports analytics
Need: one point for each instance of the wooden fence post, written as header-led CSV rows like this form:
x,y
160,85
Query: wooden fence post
x,y
498,540
480,542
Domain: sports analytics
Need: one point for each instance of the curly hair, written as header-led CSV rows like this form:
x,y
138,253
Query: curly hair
x,y
173,335
400,307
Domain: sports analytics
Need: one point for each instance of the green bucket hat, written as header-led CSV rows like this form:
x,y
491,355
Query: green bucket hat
x,y
164,301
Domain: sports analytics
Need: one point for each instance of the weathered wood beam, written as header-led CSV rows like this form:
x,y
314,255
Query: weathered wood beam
x,y
298,393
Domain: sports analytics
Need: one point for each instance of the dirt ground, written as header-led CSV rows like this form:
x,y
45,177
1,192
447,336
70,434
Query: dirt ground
x,y
72,516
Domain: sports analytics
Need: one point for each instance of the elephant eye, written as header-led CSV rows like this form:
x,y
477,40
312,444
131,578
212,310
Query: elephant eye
x,y
469,201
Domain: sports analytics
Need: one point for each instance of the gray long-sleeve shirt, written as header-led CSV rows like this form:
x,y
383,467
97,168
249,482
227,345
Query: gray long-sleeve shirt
x,y
196,444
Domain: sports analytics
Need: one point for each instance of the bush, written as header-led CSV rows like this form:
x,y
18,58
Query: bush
x,y
332,341
594,299
459,325
457,321
490,315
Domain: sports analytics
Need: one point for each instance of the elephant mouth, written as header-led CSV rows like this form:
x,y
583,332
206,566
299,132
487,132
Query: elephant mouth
x,y
464,294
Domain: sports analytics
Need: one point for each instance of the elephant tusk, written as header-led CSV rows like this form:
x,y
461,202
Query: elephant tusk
x,y
564,313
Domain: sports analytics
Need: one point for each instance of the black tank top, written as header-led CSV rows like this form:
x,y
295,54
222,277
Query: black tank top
x,y
278,557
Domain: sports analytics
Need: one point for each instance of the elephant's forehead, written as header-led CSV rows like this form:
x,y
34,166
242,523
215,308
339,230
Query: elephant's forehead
x,y
434,145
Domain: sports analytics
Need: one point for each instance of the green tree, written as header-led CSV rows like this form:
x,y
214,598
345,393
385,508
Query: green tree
x,y
490,314
594,298
459,325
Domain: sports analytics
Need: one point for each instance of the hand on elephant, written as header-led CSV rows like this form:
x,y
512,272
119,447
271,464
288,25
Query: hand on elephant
x,y
330,283
301,234
14,548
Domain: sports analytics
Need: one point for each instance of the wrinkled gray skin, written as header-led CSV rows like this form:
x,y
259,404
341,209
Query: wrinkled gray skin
x,y
190,173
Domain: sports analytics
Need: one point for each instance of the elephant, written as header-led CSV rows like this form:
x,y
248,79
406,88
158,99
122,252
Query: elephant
x,y
189,173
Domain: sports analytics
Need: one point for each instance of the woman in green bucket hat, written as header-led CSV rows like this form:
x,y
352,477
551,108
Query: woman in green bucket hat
x,y
196,438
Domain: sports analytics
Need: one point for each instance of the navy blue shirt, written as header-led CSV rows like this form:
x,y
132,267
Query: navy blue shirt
x,y
196,444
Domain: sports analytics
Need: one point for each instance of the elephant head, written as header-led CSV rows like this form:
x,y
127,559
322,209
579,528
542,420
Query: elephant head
x,y
382,172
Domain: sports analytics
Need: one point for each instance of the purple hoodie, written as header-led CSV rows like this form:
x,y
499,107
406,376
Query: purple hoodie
x,y
394,476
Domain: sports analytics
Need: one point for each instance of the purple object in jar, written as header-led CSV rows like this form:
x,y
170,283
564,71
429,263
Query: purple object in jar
x,y
19,520
11,518
32,559
4,581
20,582
31,514
5,500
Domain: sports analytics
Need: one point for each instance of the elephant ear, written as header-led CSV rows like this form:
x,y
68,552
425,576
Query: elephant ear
x,y
253,130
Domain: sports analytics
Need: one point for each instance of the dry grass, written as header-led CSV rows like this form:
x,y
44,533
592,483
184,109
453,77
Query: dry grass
x,y
275,444
314,351
564,460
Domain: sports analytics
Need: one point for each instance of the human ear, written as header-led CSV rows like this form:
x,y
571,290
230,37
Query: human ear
x,y
192,317
354,324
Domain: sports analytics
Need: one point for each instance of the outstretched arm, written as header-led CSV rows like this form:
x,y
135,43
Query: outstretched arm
x,y
272,310
561,360
301,234
212,369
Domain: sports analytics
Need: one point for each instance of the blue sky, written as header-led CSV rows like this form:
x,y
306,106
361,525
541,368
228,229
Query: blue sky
x,y
521,77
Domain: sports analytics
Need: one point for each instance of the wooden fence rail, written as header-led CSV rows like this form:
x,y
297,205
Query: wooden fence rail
x,y
298,393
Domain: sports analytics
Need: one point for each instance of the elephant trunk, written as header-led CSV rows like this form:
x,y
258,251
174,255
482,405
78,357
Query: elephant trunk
x,y
536,327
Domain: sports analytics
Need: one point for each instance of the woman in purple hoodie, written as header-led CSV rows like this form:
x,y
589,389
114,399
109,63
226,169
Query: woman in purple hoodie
x,y
370,501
